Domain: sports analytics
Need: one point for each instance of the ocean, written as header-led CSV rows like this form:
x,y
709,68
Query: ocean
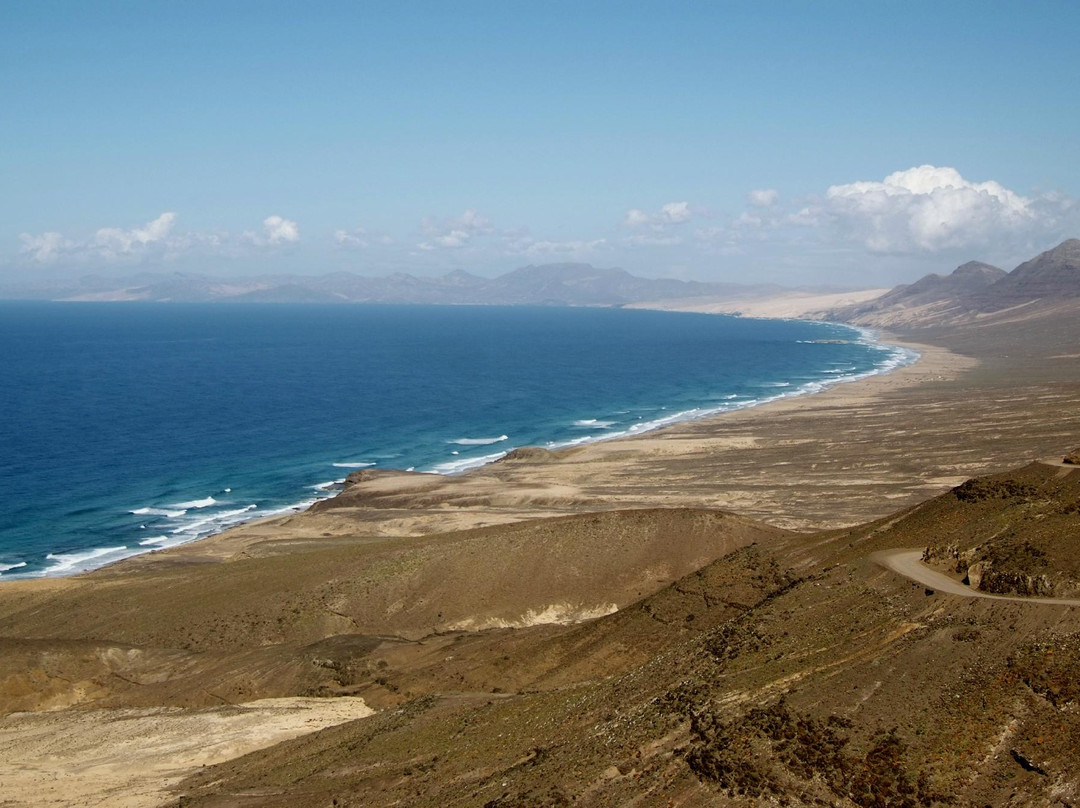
x,y
130,427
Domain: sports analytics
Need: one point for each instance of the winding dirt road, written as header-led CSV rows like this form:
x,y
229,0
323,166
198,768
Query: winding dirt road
x,y
908,563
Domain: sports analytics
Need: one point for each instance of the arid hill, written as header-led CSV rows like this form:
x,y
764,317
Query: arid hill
x,y
799,672
1054,274
792,668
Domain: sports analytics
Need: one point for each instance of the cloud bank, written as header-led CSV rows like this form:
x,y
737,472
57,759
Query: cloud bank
x,y
155,240
930,209
454,233
916,219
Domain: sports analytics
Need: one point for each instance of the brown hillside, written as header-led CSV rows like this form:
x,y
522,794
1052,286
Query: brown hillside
x,y
799,674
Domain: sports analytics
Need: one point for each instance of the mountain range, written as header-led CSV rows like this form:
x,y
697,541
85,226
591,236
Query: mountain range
x,y
975,291
548,284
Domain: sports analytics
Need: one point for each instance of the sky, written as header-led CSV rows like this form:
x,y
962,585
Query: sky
x,y
852,144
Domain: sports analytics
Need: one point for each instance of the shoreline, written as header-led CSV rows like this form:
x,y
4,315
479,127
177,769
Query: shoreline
x,y
404,581
900,355
871,336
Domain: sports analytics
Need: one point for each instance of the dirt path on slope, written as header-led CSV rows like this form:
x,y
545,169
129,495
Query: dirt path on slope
x,y
909,564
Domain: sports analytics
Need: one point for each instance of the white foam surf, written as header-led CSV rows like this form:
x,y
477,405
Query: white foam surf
x,y
466,463
166,512
70,563
352,465
8,567
196,503
593,423
479,441
296,507
216,521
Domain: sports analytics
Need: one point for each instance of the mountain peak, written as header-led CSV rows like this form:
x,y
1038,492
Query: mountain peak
x,y
1069,249
979,270
1052,275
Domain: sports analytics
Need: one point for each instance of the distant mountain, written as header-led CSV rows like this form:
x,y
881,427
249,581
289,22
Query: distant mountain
x,y
549,284
972,291
963,282
1054,274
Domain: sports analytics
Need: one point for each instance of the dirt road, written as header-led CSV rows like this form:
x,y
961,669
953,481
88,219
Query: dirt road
x,y
908,564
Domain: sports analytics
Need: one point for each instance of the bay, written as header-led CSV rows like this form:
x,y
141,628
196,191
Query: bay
x,y
128,427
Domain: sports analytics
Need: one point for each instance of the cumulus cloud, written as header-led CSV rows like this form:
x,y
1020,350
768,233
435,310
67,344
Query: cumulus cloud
x,y
675,212
44,248
155,240
669,214
659,229
763,197
107,243
113,242
280,231
455,232
357,237
929,209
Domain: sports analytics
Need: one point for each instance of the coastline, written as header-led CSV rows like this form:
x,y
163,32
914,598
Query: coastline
x,y
81,562
377,583
724,461
796,462
627,471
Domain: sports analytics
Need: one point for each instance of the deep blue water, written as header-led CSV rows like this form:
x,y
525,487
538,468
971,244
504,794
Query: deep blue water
x,y
125,427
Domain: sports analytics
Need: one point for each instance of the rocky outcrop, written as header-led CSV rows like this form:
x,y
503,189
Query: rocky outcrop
x,y
983,576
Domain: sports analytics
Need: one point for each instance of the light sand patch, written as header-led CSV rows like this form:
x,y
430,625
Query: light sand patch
x,y
563,614
784,305
130,758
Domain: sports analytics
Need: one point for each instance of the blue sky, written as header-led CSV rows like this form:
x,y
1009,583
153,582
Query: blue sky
x,y
696,140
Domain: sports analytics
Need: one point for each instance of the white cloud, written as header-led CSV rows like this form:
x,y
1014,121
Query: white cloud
x,y
155,240
357,237
670,214
280,231
455,232
675,212
763,197
660,229
929,209
113,242
44,248
107,243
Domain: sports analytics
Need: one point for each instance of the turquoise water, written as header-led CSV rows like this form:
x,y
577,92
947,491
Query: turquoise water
x,y
129,427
